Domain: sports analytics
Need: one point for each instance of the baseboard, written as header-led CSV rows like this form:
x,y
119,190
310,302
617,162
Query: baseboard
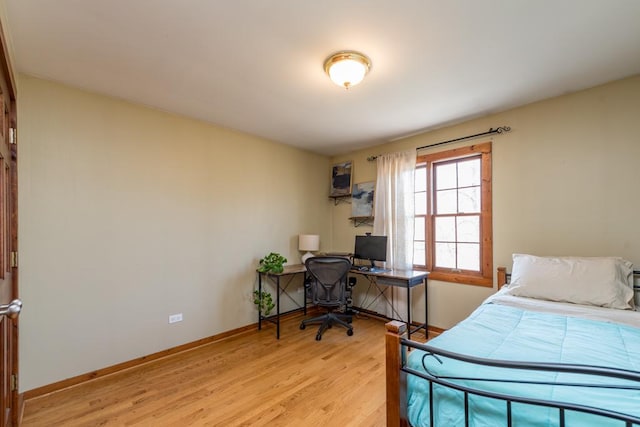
x,y
82,378
79,379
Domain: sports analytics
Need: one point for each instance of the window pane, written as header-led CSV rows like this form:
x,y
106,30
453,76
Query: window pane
x,y
469,256
445,255
446,176
469,200
468,229
446,202
420,179
418,231
445,229
419,257
469,173
421,203
457,224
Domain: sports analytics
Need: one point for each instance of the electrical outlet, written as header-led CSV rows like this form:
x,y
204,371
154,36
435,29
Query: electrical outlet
x,y
175,318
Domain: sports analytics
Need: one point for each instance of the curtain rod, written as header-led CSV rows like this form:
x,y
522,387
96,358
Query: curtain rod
x,y
491,131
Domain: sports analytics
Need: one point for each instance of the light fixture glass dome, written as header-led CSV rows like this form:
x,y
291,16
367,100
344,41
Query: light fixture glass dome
x,y
347,68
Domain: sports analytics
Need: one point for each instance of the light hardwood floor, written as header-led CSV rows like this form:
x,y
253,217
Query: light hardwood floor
x,y
250,379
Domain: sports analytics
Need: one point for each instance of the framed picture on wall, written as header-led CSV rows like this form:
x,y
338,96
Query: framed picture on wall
x,y
341,174
362,199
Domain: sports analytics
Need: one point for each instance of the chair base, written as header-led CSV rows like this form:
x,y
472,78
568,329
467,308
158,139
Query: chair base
x,y
327,320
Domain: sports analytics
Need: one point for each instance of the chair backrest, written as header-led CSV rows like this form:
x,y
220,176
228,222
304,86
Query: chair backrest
x,y
328,280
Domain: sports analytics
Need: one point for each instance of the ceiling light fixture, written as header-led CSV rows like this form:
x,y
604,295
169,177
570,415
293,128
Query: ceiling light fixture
x,y
347,68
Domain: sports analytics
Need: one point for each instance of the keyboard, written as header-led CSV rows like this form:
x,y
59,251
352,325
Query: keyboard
x,y
364,268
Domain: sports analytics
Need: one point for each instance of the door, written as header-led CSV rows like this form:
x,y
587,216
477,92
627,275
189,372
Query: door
x,y
9,305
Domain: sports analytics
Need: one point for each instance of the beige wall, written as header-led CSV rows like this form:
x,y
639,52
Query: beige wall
x,y
566,181
128,215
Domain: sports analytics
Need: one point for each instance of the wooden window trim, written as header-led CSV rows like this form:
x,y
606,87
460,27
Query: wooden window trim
x,y
485,276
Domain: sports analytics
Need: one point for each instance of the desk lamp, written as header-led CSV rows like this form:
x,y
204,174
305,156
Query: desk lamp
x,y
308,242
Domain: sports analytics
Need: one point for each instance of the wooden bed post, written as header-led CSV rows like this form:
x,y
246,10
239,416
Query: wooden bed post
x,y
502,277
396,383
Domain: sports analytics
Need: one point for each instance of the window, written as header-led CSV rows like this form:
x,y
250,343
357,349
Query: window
x,y
453,233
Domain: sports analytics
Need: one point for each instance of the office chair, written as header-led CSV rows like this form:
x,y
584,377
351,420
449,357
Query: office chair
x,y
328,287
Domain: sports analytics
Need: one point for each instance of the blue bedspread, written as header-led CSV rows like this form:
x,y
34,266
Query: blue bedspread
x,y
507,333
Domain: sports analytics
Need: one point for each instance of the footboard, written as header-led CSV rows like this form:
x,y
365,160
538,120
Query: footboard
x,y
587,377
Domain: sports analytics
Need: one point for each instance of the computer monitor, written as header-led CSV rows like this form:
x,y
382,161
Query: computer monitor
x,y
371,248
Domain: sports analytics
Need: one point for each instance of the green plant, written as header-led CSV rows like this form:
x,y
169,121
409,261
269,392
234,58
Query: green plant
x,y
272,263
263,301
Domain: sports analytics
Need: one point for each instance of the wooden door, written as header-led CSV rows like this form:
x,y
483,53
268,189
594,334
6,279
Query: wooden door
x,y
9,305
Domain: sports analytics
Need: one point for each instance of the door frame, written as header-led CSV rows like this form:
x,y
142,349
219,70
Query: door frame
x,y
8,88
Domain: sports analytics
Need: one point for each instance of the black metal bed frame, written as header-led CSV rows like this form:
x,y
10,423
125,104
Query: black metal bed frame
x,y
447,381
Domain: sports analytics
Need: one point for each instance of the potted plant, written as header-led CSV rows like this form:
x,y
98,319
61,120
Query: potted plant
x,y
272,263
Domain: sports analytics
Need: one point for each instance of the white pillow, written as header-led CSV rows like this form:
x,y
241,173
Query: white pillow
x,y
602,281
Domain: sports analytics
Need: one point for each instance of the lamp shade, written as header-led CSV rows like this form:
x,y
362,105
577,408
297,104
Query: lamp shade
x,y
308,242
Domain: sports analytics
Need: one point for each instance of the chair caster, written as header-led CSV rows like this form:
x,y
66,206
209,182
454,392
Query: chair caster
x,y
349,332
302,326
318,337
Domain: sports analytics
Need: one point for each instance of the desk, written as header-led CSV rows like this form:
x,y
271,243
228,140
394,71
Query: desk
x,y
400,278
289,271
404,279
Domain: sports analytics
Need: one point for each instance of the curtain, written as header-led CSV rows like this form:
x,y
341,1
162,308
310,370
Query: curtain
x,y
394,214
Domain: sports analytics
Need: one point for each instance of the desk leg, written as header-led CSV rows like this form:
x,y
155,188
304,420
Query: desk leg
x,y
277,307
304,286
259,293
409,311
426,311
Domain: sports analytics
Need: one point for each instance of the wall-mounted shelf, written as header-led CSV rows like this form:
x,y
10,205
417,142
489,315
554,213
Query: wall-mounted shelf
x,y
361,220
346,198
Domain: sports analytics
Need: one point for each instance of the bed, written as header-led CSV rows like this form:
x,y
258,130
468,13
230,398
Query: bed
x,y
558,346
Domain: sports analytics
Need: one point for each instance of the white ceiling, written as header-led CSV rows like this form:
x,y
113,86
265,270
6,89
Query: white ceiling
x,y
257,65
